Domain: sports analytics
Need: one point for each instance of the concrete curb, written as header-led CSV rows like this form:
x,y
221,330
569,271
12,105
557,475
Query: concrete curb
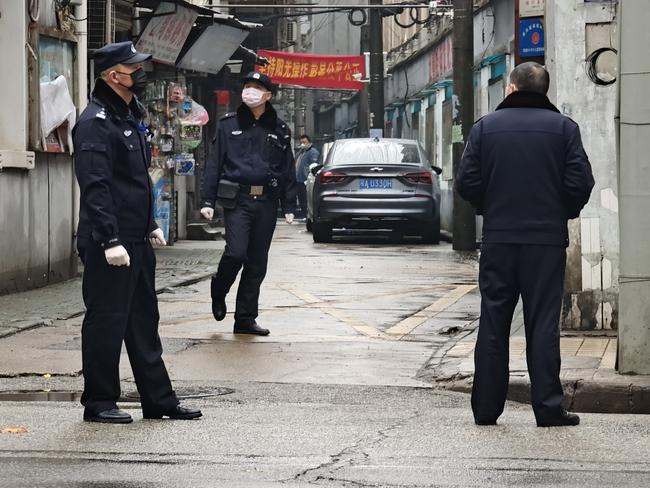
x,y
19,327
588,396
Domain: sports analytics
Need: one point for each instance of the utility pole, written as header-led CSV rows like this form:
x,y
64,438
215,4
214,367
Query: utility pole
x,y
363,94
299,119
634,190
376,88
464,220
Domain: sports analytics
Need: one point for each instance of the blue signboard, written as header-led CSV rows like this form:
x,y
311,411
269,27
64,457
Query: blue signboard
x,y
531,38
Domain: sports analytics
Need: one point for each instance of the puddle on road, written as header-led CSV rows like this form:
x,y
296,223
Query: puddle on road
x,y
129,397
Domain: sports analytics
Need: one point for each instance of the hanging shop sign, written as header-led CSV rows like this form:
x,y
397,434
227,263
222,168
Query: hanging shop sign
x,y
314,71
531,38
202,55
166,32
531,8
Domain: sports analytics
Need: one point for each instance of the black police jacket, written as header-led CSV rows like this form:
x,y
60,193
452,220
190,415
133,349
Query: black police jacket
x,y
251,152
525,169
112,158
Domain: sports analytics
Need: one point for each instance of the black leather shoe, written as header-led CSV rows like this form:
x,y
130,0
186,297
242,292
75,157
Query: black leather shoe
x,y
485,422
179,412
250,329
565,420
112,416
219,308
218,300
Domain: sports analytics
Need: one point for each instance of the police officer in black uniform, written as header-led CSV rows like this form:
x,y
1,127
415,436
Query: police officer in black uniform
x,y
115,237
252,152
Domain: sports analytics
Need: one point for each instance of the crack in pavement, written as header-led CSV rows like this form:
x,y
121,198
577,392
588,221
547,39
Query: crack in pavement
x,y
348,455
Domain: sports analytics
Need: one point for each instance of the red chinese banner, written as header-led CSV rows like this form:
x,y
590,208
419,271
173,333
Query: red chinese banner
x,y
313,70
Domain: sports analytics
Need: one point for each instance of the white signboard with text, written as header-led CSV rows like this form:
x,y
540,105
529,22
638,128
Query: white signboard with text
x,y
166,32
531,8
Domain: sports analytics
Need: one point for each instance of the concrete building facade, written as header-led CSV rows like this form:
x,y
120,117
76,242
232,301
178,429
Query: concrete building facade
x,y
38,192
419,90
574,30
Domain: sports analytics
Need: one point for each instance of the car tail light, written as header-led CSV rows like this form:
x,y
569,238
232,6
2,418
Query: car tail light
x,y
329,177
424,177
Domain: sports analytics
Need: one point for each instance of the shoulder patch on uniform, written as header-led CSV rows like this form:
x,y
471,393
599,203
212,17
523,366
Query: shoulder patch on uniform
x,y
228,115
101,114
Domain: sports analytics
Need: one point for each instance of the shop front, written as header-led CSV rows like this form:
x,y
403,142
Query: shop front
x,y
184,75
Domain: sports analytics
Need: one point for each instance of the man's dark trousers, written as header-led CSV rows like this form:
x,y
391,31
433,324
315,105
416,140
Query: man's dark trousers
x,y
249,231
301,192
122,306
537,273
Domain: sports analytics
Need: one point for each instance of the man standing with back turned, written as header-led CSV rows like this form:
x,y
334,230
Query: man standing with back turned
x,y
525,170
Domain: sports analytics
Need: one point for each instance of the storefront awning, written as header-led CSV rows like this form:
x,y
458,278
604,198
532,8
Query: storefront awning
x,y
181,34
202,54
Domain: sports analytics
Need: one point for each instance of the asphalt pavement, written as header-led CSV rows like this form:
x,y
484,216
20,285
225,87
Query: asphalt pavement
x,y
348,390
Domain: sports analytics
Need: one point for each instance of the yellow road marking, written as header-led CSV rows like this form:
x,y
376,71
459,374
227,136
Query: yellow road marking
x,y
338,314
396,332
409,324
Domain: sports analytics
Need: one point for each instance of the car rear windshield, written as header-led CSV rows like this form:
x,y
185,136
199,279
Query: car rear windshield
x,y
372,152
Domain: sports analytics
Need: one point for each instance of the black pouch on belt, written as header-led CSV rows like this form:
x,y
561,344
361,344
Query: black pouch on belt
x,y
227,193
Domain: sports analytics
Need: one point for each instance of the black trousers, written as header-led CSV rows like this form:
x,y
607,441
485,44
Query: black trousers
x,y
249,231
537,273
301,192
122,306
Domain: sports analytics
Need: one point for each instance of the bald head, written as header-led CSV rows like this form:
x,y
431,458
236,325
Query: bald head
x,y
531,77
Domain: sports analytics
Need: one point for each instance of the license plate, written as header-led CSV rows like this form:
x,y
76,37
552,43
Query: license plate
x,y
375,183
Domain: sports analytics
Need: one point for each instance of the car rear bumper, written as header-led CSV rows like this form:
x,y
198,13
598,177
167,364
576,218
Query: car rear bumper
x,y
372,212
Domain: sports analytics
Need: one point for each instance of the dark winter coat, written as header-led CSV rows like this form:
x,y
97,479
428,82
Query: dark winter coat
x,y
525,170
112,160
250,152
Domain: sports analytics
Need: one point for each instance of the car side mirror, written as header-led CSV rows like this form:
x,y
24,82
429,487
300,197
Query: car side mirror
x,y
315,168
437,169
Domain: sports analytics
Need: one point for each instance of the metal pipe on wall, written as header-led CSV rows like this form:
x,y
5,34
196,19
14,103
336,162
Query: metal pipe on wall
x,y
81,30
108,22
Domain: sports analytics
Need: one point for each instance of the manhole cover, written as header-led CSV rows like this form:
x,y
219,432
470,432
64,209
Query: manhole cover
x,y
183,394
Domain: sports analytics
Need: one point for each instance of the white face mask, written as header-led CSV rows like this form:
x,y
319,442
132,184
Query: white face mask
x,y
253,97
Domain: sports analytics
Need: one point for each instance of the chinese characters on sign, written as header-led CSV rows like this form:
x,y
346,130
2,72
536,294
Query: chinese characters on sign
x,y
165,36
531,38
441,60
531,8
314,71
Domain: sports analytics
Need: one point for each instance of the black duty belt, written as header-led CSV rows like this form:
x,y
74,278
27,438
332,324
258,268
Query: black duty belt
x,y
253,190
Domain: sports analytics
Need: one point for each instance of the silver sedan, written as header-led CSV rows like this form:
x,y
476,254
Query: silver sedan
x,y
374,184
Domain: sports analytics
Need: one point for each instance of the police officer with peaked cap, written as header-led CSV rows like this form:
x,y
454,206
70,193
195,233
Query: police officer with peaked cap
x,y
115,237
252,152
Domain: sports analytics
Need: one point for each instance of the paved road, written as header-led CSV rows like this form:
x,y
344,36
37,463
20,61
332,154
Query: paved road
x,y
336,396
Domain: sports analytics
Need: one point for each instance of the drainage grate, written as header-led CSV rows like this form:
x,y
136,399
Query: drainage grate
x,y
129,397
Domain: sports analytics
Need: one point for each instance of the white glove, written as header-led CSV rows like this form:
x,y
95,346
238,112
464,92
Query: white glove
x,y
207,213
157,238
117,256
289,218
